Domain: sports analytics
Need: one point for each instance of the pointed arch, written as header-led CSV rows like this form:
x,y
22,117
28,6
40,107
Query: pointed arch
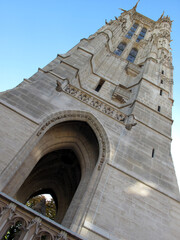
x,y
54,125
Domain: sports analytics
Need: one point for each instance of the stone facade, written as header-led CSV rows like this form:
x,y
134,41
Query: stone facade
x,y
108,100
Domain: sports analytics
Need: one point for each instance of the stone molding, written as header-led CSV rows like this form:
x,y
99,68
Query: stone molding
x,y
81,116
97,104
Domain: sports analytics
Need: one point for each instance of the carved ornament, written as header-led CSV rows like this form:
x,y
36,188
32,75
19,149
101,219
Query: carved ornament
x,y
121,94
95,103
132,69
123,24
164,34
167,80
166,60
59,86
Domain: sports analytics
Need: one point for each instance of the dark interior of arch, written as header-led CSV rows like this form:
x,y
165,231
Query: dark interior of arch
x,y
59,172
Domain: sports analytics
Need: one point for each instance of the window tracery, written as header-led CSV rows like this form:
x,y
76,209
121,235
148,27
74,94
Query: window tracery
x,y
120,49
132,31
132,55
141,35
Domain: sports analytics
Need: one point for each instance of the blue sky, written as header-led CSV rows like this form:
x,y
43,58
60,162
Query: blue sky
x,y
33,32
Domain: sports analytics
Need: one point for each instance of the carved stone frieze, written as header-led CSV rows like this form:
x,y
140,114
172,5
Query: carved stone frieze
x,y
94,102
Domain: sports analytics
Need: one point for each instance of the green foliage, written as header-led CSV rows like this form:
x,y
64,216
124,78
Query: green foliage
x,y
50,205
12,231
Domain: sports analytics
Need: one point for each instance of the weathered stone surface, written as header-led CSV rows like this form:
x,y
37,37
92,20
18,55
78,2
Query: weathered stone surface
x,y
128,188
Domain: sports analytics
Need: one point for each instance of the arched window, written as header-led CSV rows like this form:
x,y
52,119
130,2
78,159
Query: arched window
x,y
141,35
43,236
132,30
120,49
15,229
60,172
132,55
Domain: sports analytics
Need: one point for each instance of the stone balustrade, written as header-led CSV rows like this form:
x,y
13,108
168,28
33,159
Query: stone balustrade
x,y
29,224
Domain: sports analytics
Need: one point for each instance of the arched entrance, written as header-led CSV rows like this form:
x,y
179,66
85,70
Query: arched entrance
x,y
58,173
68,153
69,149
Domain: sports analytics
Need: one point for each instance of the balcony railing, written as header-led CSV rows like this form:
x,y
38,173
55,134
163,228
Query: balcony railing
x,y
28,224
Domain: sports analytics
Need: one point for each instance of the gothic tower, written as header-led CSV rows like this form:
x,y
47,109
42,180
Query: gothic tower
x,y
93,129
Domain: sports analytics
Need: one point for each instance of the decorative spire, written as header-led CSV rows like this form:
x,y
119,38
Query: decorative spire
x,y
161,16
164,19
134,8
122,10
136,5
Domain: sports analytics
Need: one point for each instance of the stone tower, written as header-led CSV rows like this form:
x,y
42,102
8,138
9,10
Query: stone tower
x,y
93,129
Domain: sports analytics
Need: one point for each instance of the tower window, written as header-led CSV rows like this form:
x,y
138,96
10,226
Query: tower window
x,y
161,92
132,31
141,35
132,55
161,81
159,108
99,86
153,152
120,49
162,72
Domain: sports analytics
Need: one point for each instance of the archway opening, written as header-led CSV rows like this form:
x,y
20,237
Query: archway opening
x,y
65,159
57,173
